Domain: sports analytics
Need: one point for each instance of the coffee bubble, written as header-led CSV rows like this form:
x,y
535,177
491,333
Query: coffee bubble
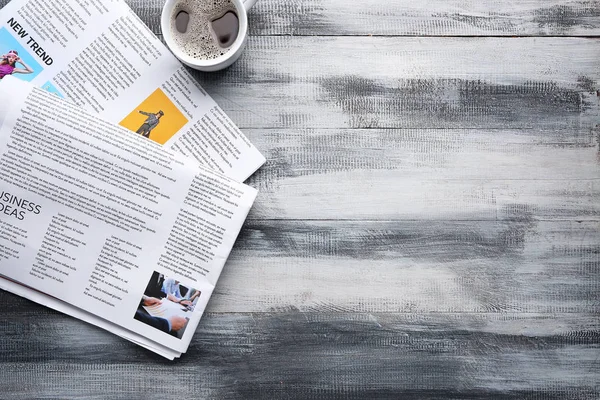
x,y
204,29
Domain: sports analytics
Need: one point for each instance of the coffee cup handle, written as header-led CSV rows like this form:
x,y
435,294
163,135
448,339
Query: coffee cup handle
x,y
248,4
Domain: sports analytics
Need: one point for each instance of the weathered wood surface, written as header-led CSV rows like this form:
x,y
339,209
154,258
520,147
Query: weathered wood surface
x,y
321,355
414,267
428,224
383,82
412,18
419,128
431,174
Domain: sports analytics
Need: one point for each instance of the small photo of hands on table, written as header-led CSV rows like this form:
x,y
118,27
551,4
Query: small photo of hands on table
x,y
167,304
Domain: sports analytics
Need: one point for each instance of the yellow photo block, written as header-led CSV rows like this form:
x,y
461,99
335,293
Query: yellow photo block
x,y
156,118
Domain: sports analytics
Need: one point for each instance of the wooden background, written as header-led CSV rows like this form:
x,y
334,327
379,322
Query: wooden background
x,y
428,224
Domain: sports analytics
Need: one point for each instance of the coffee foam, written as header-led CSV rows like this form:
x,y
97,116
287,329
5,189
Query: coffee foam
x,y
199,41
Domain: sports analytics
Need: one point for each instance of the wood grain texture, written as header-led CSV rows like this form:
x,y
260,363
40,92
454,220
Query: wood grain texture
x,y
409,18
427,18
428,223
411,267
412,18
321,355
377,82
427,174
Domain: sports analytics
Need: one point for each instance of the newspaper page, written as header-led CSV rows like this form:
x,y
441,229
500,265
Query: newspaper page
x,y
99,55
97,217
66,308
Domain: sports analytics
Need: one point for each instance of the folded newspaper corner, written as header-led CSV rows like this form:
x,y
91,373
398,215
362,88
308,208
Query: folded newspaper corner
x,y
102,224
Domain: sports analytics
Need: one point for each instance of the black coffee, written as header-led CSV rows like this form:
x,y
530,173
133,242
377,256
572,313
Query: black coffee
x,y
205,29
181,21
226,28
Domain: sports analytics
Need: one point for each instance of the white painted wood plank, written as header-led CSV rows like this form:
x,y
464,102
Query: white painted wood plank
x,y
429,174
412,18
427,18
311,355
358,82
376,195
410,266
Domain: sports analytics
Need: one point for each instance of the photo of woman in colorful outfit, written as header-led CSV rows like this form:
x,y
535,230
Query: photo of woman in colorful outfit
x,y
8,65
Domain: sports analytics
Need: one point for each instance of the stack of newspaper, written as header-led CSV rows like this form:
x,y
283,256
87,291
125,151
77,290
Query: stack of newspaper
x,y
120,178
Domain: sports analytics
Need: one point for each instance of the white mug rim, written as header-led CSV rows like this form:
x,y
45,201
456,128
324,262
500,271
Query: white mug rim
x,y
165,23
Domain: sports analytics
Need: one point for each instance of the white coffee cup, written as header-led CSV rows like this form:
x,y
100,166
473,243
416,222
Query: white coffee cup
x,y
224,61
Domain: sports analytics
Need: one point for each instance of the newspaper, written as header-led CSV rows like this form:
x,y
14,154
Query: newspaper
x,y
102,224
99,55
